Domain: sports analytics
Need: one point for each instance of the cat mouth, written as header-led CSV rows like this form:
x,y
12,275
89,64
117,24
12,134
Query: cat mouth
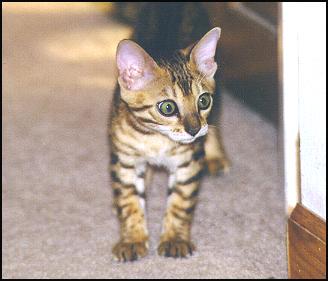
x,y
186,138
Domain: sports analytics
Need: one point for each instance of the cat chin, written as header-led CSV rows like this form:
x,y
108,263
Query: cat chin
x,y
187,141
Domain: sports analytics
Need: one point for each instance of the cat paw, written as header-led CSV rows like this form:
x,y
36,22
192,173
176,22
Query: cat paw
x,y
129,251
176,248
218,166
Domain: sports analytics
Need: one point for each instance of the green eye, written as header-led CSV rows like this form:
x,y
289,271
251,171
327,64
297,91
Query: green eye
x,y
167,107
204,101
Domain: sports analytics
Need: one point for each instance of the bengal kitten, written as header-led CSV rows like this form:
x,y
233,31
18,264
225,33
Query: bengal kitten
x,y
159,118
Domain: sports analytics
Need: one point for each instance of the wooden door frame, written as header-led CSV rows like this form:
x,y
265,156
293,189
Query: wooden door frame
x,y
306,245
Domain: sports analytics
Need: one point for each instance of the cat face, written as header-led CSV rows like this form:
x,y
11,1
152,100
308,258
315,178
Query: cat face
x,y
175,96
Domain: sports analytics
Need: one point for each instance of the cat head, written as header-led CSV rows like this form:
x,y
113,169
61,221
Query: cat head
x,y
175,96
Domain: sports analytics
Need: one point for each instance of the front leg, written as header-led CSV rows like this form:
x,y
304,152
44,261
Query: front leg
x,y
182,198
217,161
129,201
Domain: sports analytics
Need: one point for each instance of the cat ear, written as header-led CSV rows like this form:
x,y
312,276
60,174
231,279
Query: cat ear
x,y
136,67
203,53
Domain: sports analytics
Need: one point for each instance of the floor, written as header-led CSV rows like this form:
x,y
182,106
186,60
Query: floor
x,y
57,222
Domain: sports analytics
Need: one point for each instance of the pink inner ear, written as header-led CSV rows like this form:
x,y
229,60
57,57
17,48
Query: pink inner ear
x,y
207,67
130,75
136,67
135,72
204,52
209,64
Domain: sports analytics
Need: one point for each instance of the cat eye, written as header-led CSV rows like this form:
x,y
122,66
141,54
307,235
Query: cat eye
x,y
204,101
167,107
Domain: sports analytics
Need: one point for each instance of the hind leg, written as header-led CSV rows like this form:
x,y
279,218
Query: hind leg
x,y
215,156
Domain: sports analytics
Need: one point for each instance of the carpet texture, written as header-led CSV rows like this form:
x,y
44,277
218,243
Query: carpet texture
x,y
57,221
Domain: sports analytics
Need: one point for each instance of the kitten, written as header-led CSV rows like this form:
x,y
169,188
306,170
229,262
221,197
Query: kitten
x,y
159,117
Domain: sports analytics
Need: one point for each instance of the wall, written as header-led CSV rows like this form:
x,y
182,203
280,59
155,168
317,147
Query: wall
x,y
304,104
312,106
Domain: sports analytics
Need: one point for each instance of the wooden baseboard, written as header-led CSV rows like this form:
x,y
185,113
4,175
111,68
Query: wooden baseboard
x,y
306,243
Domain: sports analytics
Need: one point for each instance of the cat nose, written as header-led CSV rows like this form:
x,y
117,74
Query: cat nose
x,y
192,124
193,131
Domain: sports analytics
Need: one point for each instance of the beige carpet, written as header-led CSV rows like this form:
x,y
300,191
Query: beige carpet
x,y
58,77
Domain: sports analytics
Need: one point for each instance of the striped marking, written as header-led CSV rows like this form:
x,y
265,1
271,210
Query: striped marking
x,y
138,127
141,108
116,179
121,150
185,164
146,120
194,178
180,74
198,154
186,211
113,158
180,193
191,209
178,216
118,193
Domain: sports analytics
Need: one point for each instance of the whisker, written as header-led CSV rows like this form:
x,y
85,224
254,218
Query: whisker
x,y
218,127
213,126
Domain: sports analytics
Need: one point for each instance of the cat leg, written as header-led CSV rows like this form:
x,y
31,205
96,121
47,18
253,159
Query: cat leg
x,y
175,240
129,203
215,156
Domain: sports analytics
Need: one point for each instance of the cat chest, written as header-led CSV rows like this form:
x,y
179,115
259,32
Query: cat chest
x,y
157,152
160,158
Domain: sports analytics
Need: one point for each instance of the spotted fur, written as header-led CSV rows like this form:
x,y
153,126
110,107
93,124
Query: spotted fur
x,y
141,137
